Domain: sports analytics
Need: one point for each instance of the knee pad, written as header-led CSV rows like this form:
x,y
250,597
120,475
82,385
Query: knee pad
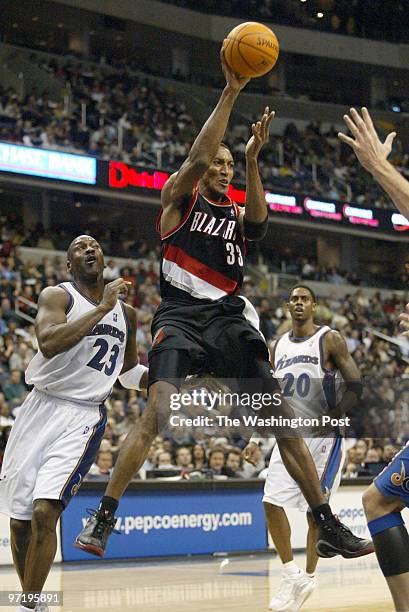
x,y
378,525
391,541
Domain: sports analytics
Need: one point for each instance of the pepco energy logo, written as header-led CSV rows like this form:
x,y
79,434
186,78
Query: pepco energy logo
x,y
121,175
351,513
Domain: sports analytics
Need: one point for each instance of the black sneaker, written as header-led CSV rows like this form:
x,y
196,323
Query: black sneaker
x,y
94,537
336,539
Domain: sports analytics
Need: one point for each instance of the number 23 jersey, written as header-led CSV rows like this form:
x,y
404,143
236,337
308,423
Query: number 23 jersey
x,y
309,388
87,371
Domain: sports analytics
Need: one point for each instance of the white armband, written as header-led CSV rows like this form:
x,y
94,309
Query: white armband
x,y
132,378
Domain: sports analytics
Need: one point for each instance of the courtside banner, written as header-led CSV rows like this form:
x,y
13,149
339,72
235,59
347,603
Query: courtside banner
x,y
48,164
170,523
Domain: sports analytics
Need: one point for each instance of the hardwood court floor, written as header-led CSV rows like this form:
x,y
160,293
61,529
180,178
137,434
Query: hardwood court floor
x,y
244,584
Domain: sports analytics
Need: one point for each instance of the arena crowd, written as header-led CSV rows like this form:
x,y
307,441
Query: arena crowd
x,y
136,120
380,424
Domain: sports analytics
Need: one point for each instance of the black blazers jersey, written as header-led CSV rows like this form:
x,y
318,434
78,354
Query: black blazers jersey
x,y
203,256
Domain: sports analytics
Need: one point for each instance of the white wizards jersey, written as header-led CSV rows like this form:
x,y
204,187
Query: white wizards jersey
x,y
309,388
87,371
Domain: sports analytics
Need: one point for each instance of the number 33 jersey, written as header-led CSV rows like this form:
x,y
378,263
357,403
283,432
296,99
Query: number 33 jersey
x,y
87,371
203,256
299,366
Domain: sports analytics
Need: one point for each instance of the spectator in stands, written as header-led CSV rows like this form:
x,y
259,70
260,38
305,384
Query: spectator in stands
x,y
164,460
19,360
234,462
15,390
389,451
217,461
103,465
184,457
199,457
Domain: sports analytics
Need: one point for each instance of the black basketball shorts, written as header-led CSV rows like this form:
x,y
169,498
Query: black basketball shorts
x,y
214,337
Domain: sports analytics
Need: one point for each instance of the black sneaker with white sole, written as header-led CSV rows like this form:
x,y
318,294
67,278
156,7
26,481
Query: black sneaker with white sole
x,y
94,537
334,538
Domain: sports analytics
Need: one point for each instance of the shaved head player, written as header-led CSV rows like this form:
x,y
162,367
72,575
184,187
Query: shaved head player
x,y
203,322
87,338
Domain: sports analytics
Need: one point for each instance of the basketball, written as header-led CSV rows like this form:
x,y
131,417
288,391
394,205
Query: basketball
x,y
251,49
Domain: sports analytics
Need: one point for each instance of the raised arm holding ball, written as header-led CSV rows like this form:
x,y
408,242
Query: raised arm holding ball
x,y
203,322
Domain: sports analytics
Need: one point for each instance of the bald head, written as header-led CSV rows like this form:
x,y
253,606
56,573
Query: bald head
x,y
85,259
76,240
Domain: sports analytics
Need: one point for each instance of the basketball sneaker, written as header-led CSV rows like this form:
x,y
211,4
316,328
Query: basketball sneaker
x,y
41,607
94,537
334,538
292,592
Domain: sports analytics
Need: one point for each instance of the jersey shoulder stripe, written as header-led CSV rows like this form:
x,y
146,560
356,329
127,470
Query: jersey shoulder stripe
x,y
71,298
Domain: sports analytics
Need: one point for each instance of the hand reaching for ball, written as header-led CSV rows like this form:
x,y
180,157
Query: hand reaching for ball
x,y
234,81
260,134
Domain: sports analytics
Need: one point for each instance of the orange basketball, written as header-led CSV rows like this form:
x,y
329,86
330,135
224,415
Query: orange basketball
x,y
251,49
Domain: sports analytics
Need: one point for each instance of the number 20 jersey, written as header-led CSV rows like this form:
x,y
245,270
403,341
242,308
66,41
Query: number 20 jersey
x,y
309,388
87,371
203,256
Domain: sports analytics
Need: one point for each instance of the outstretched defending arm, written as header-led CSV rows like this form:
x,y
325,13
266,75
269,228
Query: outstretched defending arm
x,y
54,334
372,155
205,147
255,218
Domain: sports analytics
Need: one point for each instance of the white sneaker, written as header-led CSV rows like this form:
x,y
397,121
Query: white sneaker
x,y
292,593
303,590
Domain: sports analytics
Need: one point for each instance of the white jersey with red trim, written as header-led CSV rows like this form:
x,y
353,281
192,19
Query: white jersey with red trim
x,y
203,256
87,371
309,388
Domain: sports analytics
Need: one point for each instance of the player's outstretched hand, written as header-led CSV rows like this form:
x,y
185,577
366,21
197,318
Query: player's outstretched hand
x,y
260,133
233,80
112,292
404,321
369,149
249,453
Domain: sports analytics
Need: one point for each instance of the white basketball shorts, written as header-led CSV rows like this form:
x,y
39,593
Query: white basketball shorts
x,y
52,445
281,490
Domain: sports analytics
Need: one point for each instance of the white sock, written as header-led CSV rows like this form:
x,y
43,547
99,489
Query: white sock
x,y
310,575
291,568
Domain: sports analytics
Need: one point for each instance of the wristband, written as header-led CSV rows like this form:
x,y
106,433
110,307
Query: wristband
x,y
254,231
132,378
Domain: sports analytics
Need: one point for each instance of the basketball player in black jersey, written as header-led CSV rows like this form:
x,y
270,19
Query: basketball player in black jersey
x,y
202,322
